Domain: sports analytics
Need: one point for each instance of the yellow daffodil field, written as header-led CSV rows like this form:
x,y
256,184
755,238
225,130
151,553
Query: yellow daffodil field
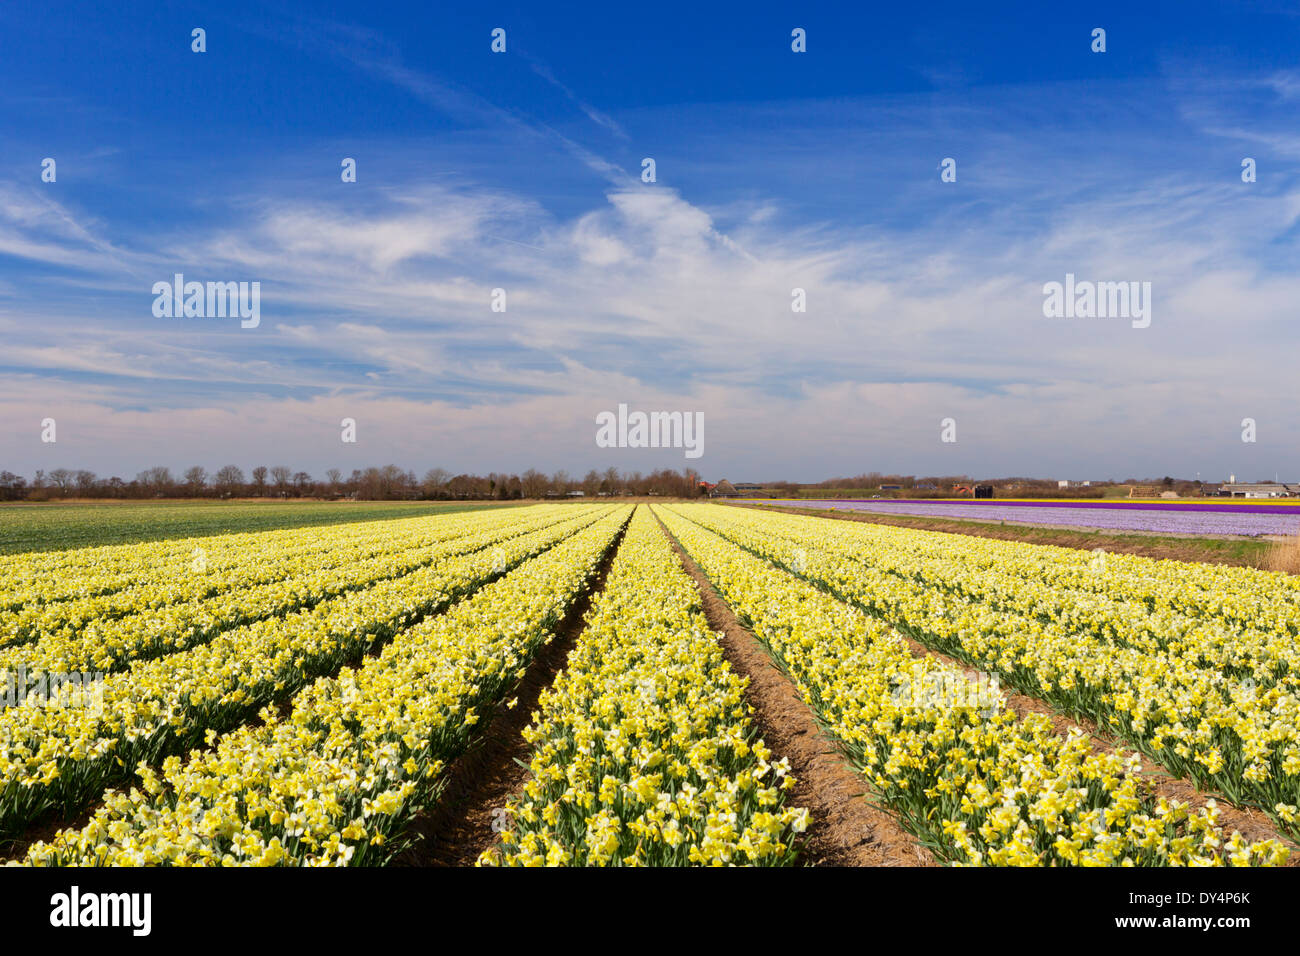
x,y
572,684
336,777
645,753
1201,681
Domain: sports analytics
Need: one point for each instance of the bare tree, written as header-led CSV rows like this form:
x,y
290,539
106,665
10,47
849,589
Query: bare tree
x,y
62,479
195,479
12,487
393,481
434,481
230,479
280,474
259,479
533,483
156,480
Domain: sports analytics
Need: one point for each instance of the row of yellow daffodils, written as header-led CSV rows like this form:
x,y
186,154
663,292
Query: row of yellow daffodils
x,y
34,578
1224,718
1243,596
963,773
82,642
92,572
61,755
336,780
256,565
1250,625
644,750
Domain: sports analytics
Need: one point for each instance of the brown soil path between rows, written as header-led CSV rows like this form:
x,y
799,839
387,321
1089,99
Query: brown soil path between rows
x,y
845,827
457,828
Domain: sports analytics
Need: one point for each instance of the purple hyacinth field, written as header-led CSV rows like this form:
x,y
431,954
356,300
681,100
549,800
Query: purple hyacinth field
x,y
1168,519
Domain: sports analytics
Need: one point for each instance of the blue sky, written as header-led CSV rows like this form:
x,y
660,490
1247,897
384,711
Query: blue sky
x,y
775,170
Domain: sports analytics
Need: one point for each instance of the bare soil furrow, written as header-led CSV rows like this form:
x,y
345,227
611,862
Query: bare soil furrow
x,y
846,828
457,827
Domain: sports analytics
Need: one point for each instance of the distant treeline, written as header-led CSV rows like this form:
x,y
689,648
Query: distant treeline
x,y
388,482
391,482
943,486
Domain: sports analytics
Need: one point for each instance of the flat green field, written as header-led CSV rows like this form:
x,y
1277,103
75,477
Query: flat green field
x,y
51,527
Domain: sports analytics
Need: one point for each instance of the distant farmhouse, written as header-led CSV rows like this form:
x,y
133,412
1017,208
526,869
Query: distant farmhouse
x,y
724,489
1258,489
1229,489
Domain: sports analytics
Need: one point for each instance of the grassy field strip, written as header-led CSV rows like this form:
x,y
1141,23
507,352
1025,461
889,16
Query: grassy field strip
x,y
60,757
38,528
111,644
105,571
337,779
1240,597
644,750
974,783
1235,733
